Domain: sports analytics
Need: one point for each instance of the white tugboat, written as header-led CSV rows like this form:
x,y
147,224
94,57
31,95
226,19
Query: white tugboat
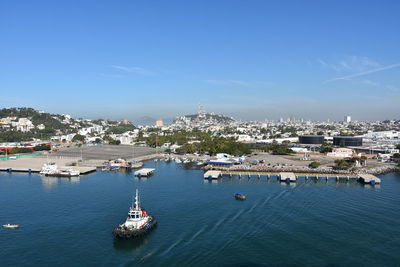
x,y
137,224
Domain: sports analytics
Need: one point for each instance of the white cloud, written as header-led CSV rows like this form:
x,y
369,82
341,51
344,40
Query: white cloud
x,y
370,83
393,88
351,64
240,83
348,77
106,75
136,70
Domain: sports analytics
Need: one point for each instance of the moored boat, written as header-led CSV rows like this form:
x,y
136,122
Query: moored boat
x,y
137,224
240,196
10,226
64,173
51,169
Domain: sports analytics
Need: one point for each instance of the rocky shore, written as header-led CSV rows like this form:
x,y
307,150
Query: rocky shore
x,y
297,169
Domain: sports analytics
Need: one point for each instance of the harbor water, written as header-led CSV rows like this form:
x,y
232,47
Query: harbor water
x,y
68,222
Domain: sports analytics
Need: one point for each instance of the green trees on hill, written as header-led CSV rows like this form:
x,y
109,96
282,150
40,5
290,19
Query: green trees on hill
x,y
325,148
51,122
42,147
178,137
344,164
217,145
78,138
115,142
121,128
111,140
274,148
314,164
196,141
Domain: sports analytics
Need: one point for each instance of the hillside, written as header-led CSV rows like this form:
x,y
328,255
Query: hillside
x,y
206,117
23,124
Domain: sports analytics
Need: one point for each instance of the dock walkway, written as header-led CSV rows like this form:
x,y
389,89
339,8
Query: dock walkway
x,y
287,177
212,174
145,172
82,170
369,179
293,177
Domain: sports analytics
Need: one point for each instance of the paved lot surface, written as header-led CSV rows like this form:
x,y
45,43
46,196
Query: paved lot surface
x,y
104,152
34,162
289,160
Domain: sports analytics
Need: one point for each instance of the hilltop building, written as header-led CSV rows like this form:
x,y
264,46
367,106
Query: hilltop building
x,y
24,125
159,123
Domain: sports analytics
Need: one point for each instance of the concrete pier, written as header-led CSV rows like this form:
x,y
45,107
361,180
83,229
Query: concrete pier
x,y
287,177
145,172
369,179
82,170
212,174
294,177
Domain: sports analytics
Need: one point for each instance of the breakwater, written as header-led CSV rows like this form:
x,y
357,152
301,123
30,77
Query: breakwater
x,y
298,169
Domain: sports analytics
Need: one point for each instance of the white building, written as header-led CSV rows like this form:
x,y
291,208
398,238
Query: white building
x,y
24,125
40,127
382,135
341,153
347,119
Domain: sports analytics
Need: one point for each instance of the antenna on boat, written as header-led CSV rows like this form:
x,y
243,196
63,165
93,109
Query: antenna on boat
x,y
137,202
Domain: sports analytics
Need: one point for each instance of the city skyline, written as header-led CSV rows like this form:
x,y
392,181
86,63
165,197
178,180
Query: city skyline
x,y
253,61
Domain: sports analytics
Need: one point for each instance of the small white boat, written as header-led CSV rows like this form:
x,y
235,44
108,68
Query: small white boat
x,y
177,160
10,226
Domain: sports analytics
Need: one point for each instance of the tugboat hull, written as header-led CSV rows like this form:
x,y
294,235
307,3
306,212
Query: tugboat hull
x,y
125,233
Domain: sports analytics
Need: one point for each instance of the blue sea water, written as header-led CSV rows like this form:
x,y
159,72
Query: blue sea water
x,y
68,222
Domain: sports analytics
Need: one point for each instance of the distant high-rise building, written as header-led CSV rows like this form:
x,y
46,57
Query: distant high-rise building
x,y
159,123
347,119
200,112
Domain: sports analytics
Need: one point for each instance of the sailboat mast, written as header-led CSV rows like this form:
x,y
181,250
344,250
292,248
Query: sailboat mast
x,y
137,202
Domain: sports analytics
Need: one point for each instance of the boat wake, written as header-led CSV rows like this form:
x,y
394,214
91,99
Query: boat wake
x,y
176,243
237,215
195,236
151,253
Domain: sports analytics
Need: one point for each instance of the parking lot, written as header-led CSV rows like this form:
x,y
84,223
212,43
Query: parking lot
x,y
104,152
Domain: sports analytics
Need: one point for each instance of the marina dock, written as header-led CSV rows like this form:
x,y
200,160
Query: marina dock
x,y
287,177
294,177
145,172
212,174
369,179
82,170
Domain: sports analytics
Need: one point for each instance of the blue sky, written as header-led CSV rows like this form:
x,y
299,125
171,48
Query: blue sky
x,y
250,59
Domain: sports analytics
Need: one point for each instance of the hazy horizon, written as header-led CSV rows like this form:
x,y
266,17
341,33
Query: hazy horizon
x,y
251,60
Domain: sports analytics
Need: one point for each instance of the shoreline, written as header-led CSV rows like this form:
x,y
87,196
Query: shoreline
x,y
258,169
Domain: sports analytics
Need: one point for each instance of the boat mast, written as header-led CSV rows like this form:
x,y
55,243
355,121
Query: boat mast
x,y
137,202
